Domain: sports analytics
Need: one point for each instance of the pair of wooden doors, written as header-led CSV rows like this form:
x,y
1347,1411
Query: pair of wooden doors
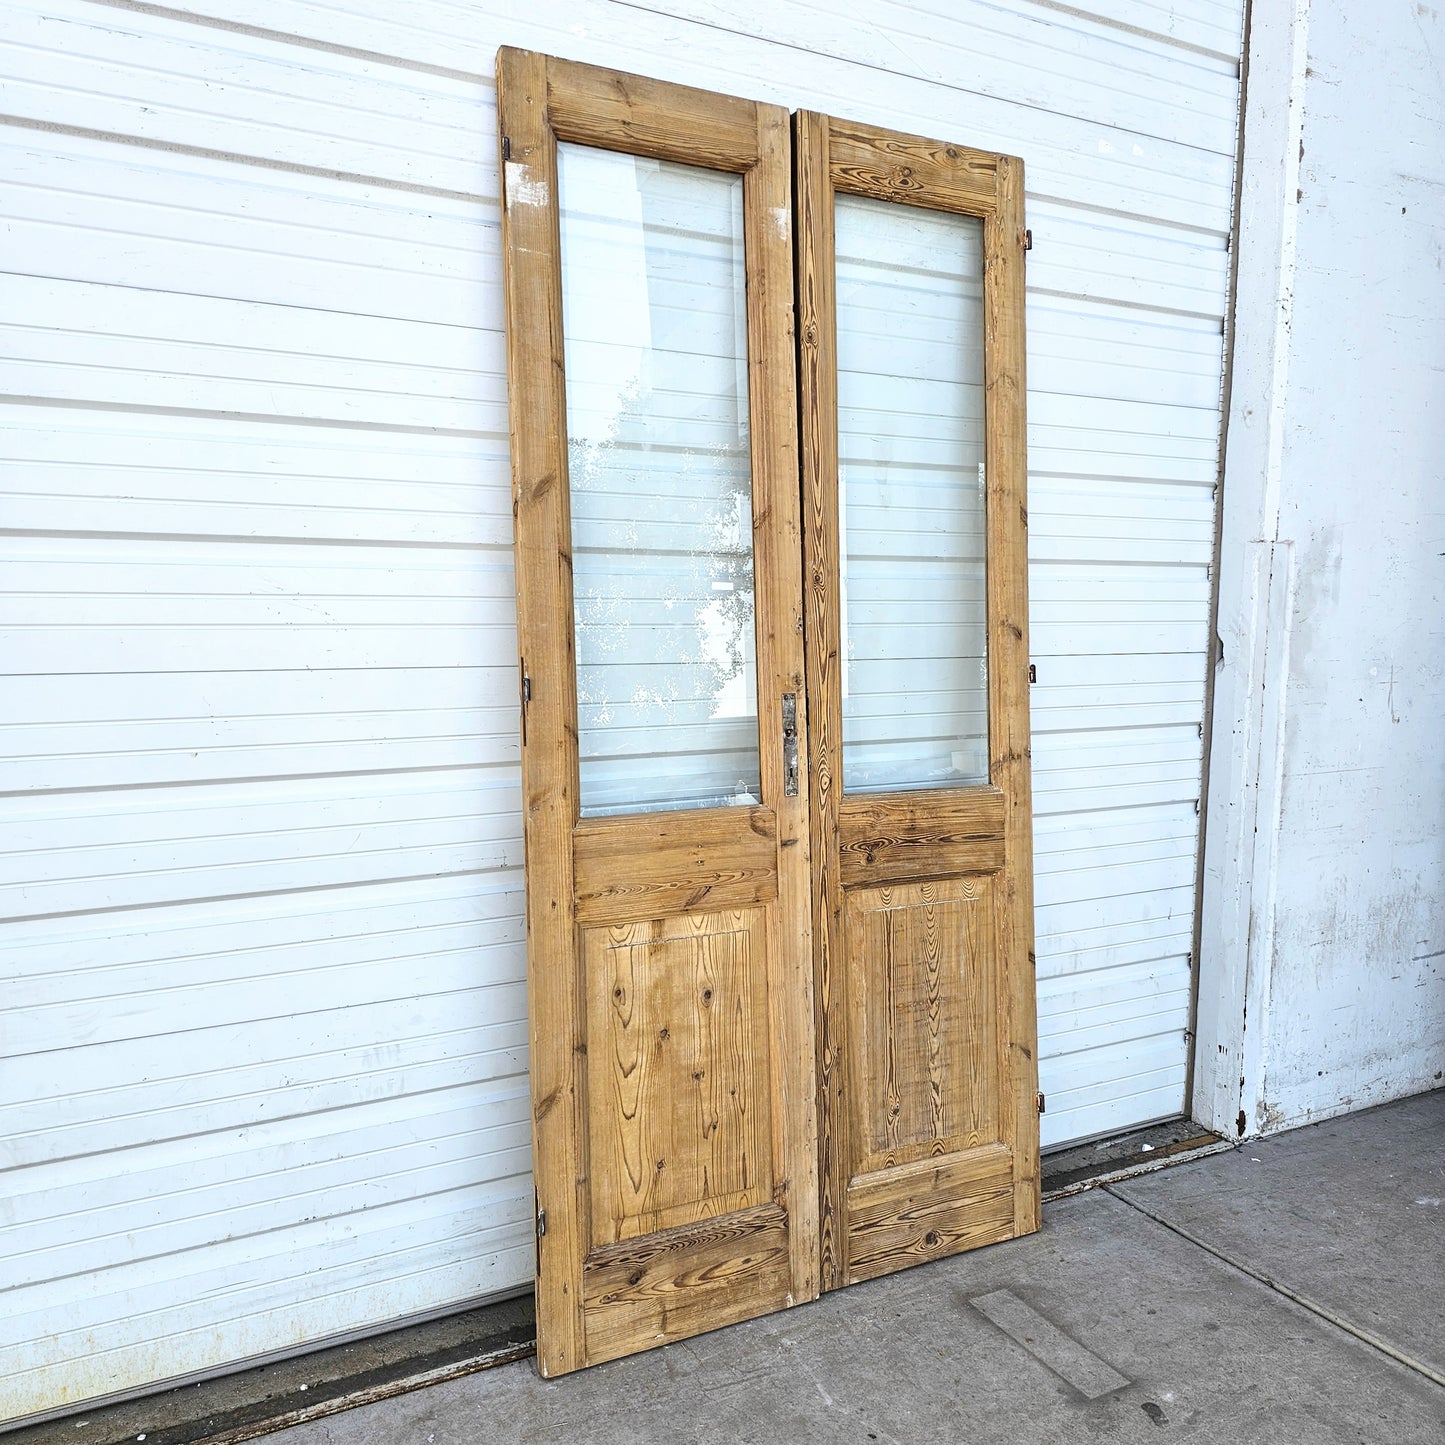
x,y
767,423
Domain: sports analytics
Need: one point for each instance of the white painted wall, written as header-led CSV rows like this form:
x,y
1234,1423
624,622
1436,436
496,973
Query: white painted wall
x,y
260,887
1324,901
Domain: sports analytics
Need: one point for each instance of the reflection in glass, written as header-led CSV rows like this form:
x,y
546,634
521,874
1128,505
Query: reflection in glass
x,y
911,496
655,328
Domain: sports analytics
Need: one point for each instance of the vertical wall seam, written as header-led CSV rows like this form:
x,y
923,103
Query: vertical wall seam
x,y
1214,655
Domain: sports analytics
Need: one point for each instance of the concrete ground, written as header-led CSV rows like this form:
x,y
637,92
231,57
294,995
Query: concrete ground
x,y
1291,1291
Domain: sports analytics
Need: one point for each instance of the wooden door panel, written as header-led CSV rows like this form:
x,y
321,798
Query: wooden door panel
x,y
921,1000
678,1071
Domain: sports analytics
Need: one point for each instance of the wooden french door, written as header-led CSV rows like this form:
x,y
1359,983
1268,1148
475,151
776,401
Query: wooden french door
x,y
653,424
910,318
696,930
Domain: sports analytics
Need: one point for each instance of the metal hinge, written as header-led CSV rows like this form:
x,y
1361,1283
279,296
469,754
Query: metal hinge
x,y
541,1223
526,688
1042,1103
1033,672
506,147
1028,240
537,1243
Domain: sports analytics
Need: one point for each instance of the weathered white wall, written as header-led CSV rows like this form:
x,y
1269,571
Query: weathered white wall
x,y
1324,905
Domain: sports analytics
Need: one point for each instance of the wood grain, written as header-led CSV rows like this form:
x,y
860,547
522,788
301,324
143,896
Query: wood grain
x,y
777,547
678,1071
889,166
922,999
925,834
1010,765
905,1216
533,292
684,1281
654,864
594,106
818,410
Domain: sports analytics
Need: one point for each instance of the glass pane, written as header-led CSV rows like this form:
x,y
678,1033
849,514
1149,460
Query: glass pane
x,y
911,497
655,326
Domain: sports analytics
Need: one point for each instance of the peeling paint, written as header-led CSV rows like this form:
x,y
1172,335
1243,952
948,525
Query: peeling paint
x,y
522,187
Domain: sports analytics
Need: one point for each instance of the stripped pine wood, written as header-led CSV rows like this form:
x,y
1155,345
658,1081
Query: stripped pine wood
x,y
923,942
920,835
656,118
691,1279
865,160
1008,608
818,414
920,992
669,953
533,288
906,1216
777,550
678,1071
655,863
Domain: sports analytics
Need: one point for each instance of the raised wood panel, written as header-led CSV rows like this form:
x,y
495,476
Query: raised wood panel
x,y
686,1280
678,1075
888,836
921,1000
655,864
906,1216
866,161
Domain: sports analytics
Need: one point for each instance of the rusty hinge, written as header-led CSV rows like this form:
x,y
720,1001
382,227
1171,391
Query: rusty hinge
x,y
1042,1103
506,147
541,1223
1033,672
541,1230
1028,240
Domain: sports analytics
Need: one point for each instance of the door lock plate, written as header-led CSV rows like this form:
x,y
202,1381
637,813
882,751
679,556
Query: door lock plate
x,y
790,744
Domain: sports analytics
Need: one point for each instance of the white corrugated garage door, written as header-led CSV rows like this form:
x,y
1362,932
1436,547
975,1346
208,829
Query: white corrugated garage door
x,y
265,1077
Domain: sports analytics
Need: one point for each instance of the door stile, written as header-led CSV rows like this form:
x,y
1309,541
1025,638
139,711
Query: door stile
x,y
542,522
1010,749
777,550
818,410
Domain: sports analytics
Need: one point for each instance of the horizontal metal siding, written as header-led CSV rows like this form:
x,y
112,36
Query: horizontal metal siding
x,y
262,836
